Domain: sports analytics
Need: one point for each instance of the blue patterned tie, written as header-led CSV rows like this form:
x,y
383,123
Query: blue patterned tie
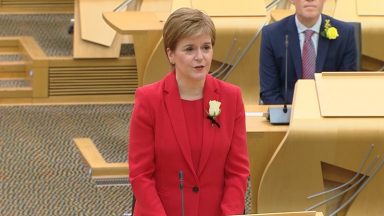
x,y
308,56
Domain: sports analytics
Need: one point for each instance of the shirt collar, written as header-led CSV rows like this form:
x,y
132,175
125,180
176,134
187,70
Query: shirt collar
x,y
301,28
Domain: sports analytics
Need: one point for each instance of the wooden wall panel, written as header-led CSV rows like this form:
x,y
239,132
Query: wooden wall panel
x,y
92,80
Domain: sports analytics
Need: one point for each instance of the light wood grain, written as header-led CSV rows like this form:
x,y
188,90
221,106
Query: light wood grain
x,y
295,171
243,8
372,26
83,49
93,158
93,27
370,7
349,94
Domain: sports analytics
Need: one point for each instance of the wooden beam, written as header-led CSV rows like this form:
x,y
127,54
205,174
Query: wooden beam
x,y
99,167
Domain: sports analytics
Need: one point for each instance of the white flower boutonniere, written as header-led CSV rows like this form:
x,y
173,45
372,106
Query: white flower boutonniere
x,y
214,111
329,32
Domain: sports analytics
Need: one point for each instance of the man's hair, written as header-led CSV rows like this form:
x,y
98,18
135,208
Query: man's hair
x,y
185,22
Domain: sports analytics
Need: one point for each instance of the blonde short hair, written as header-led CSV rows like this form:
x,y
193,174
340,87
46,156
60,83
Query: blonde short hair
x,y
186,22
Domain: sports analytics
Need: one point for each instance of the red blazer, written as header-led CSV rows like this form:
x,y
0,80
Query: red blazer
x,y
159,148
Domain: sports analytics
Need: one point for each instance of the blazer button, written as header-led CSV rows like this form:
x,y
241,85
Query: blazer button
x,y
195,189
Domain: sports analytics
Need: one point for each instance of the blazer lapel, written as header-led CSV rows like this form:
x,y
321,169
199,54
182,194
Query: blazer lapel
x,y
209,130
322,48
294,46
176,115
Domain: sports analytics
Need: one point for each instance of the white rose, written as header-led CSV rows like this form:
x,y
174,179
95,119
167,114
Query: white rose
x,y
214,108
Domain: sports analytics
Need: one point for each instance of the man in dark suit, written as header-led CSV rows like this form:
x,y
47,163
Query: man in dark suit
x,y
328,46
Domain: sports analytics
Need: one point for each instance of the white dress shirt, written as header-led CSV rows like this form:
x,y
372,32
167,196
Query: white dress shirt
x,y
315,37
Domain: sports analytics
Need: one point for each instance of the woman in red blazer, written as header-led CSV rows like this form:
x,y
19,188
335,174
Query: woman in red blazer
x,y
188,124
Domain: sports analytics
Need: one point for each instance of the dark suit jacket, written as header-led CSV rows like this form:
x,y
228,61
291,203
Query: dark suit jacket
x,y
332,55
159,148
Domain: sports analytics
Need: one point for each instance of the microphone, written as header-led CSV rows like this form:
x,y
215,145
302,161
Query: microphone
x,y
181,186
278,115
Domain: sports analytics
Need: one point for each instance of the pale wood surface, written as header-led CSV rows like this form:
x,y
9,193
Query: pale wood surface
x,y
349,94
372,26
6,93
93,158
279,14
129,22
36,65
93,27
146,32
180,3
263,139
370,7
295,172
83,49
30,48
228,8
157,5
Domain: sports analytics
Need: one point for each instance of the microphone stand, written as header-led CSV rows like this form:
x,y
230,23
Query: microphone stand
x,y
278,115
286,76
181,186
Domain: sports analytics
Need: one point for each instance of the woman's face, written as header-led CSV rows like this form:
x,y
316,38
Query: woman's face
x,y
192,57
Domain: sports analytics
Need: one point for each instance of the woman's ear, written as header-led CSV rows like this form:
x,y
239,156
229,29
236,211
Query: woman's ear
x,y
170,56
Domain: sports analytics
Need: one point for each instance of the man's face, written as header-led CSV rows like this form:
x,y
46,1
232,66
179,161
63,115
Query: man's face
x,y
308,10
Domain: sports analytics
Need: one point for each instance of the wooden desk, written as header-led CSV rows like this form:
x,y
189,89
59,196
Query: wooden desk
x,y
319,149
263,139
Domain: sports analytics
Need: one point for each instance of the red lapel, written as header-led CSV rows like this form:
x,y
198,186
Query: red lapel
x,y
176,115
209,130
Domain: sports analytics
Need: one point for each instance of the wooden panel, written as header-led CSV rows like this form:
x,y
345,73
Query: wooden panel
x,y
93,27
295,170
93,159
156,5
350,100
143,21
372,27
31,49
230,9
370,7
84,49
92,80
16,92
12,69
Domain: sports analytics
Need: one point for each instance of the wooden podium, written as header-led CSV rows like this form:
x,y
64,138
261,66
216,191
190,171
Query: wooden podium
x,y
335,143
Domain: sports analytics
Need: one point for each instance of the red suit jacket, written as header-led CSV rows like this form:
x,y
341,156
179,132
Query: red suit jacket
x,y
159,148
